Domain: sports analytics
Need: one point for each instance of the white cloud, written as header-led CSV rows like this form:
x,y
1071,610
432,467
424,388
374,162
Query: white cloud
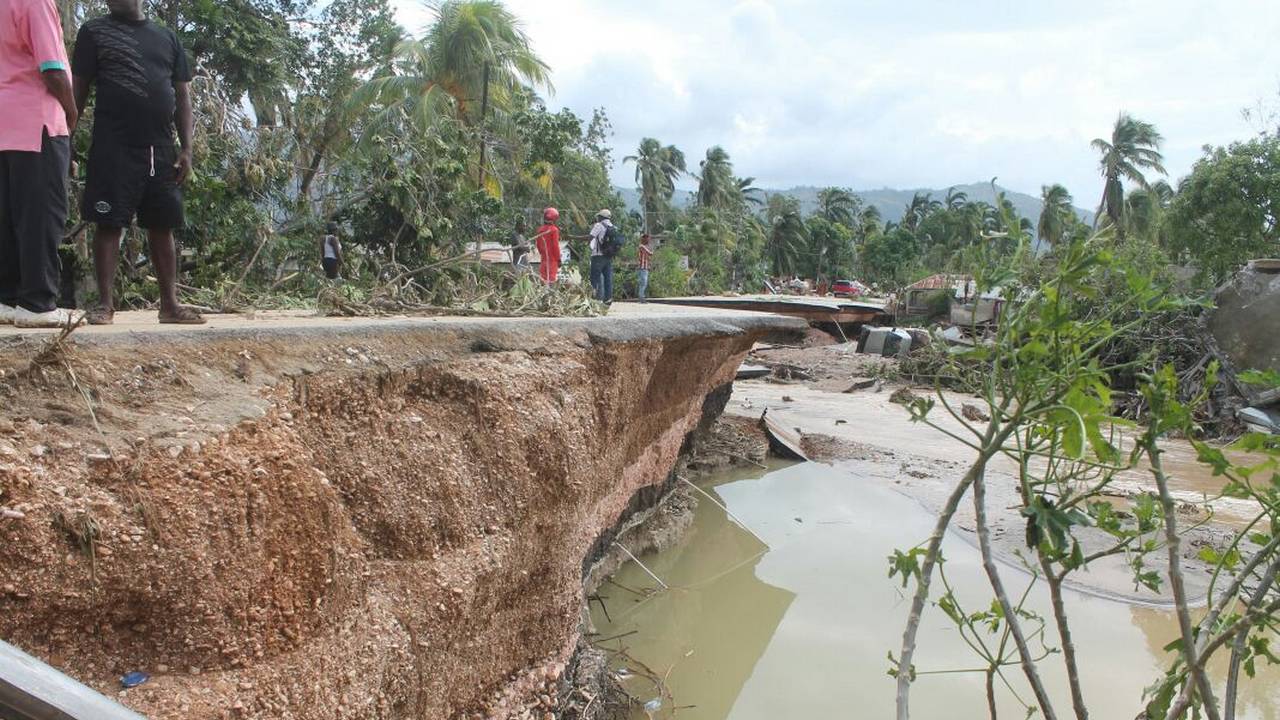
x,y
923,94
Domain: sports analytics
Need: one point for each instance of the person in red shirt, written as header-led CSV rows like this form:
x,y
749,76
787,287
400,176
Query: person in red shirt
x,y
548,241
38,116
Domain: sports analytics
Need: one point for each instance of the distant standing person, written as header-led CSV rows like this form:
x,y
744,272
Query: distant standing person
x,y
39,115
331,252
601,256
520,247
645,257
548,244
143,83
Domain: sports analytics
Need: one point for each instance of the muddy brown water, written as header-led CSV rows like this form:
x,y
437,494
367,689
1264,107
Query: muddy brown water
x,y
794,617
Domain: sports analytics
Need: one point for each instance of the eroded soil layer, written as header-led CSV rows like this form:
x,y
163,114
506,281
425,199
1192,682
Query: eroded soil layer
x,y
374,523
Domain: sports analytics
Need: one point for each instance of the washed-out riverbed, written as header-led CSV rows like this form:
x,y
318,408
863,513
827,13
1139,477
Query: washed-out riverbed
x,y
793,615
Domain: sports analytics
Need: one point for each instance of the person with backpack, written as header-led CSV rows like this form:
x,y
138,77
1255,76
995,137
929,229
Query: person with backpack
x,y
547,240
606,243
331,251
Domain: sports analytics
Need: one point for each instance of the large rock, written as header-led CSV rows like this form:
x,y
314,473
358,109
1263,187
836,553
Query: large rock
x,y
1246,323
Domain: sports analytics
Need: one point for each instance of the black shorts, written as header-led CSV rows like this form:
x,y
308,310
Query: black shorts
x,y
330,266
127,181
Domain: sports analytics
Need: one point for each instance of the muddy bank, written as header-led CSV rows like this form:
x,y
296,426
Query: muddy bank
x,y
846,414
724,442
346,521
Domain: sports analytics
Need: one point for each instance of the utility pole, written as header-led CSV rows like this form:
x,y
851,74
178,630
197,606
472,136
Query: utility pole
x,y
484,140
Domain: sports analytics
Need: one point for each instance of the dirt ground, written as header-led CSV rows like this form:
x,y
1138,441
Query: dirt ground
x,y
841,403
342,520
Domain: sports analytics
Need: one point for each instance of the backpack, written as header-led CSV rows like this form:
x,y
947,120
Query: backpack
x,y
612,242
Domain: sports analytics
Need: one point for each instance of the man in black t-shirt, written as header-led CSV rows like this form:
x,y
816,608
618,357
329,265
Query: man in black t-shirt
x,y
142,78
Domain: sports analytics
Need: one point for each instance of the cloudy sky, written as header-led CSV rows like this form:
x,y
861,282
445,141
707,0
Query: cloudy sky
x,y
927,93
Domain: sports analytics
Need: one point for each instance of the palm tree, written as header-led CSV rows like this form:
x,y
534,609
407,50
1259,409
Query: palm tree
x,y
474,58
718,189
838,205
870,223
657,168
1134,147
1144,211
918,209
1055,215
748,192
788,236
956,200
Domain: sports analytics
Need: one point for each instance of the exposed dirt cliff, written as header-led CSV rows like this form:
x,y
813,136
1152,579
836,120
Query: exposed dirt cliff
x,y
372,523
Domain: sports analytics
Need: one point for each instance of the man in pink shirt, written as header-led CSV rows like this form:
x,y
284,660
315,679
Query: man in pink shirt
x,y
35,156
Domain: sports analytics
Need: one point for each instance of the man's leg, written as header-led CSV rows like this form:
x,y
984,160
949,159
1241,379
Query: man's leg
x,y
160,212
39,218
608,280
106,257
642,277
164,259
9,275
597,271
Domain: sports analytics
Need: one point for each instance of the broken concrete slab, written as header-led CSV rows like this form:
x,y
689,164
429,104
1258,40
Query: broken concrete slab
x,y
1246,322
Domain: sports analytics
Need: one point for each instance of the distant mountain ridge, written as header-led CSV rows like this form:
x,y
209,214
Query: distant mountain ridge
x,y
891,203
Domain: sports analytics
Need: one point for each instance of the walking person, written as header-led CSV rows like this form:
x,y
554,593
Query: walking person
x,y
548,244
35,157
143,82
331,252
645,258
604,237
519,247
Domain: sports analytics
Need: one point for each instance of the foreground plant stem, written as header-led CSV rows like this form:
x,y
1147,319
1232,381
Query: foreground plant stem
x,y
991,443
1064,634
1237,645
1190,652
1010,612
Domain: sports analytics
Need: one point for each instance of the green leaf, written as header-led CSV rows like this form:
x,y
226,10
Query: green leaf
x,y
1267,378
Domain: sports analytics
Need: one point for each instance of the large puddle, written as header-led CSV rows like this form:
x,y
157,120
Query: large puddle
x,y
797,622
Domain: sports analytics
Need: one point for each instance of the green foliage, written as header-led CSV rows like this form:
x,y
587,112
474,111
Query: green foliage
x,y
891,257
1134,147
1227,211
657,169
666,278
830,253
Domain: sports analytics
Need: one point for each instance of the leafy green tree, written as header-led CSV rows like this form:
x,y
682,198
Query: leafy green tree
x,y
890,257
1227,210
657,169
831,254
1133,148
1056,214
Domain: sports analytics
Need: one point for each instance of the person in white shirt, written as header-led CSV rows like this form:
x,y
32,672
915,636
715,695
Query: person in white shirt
x,y
601,260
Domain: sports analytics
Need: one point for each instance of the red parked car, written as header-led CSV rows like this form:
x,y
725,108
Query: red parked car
x,y
846,288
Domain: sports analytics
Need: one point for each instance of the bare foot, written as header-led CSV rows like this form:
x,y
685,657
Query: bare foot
x,y
183,315
101,316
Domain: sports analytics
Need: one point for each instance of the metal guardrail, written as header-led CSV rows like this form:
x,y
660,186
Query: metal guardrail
x,y
32,690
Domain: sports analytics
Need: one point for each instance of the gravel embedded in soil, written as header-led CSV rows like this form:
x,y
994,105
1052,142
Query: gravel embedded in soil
x,y
382,526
